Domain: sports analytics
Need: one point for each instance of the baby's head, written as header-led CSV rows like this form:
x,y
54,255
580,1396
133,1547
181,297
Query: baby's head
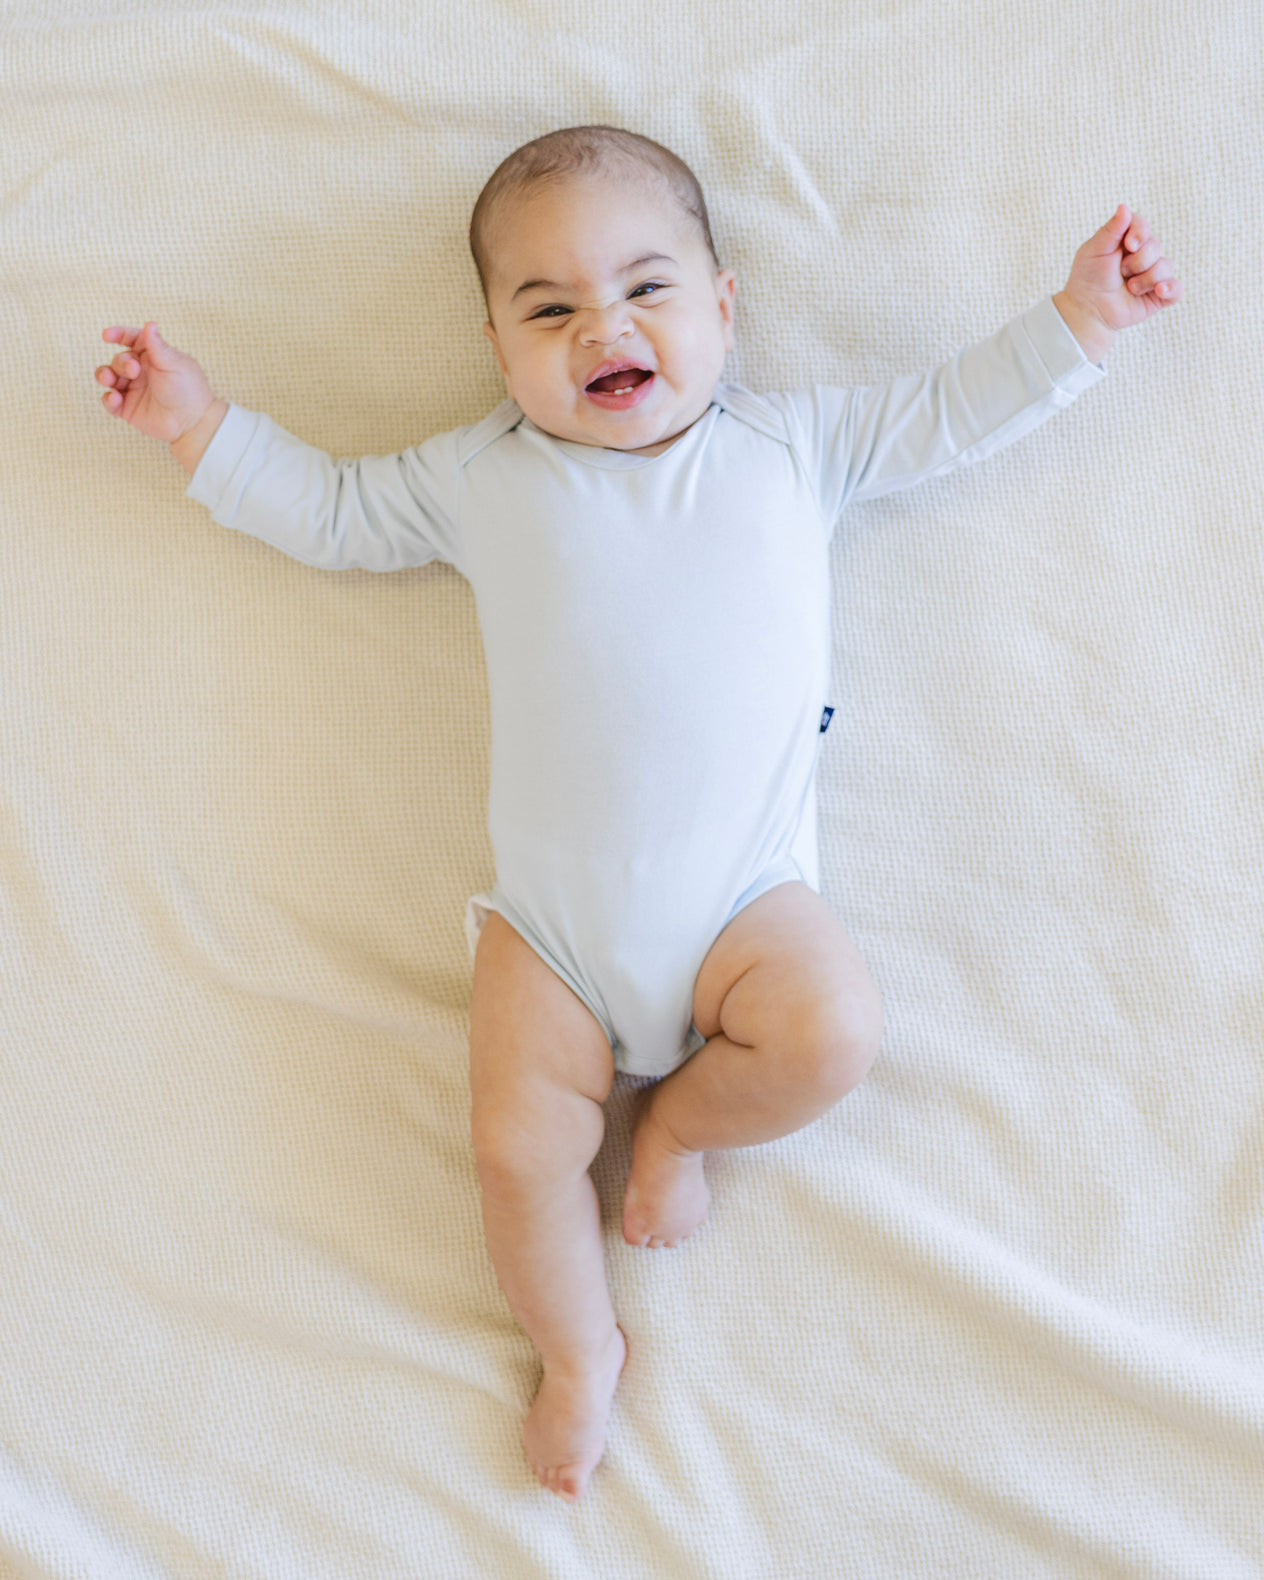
x,y
595,253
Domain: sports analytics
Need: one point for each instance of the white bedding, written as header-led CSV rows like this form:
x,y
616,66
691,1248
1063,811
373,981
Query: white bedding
x,y
998,1314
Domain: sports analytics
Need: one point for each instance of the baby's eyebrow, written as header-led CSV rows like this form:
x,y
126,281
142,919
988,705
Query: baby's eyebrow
x,y
554,285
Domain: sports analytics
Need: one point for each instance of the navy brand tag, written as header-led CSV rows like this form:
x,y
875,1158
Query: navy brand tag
x,y
826,716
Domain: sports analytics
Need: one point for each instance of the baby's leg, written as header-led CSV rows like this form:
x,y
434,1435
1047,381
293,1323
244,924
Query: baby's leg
x,y
792,1020
540,1069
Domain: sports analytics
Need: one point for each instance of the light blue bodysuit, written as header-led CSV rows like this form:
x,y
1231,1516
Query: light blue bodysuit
x,y
657,635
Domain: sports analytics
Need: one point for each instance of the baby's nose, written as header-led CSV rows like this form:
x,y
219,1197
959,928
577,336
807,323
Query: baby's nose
x,y
603,321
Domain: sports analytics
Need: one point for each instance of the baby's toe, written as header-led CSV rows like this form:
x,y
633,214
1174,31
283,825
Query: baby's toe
x,y
568,1481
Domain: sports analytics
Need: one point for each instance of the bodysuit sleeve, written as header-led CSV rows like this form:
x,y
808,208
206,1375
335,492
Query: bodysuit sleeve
x,y
858,444
378,513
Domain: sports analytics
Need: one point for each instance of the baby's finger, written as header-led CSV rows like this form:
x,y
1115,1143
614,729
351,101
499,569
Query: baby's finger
x,y
1142,283
1138,233
122,333
1147,255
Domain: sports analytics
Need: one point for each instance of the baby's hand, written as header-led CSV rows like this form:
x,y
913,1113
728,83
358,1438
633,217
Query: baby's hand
x,y
162,392
1119,278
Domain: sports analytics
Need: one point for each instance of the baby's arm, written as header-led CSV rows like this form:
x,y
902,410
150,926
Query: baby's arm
x,y
161,392
1119,278
862,443
378,513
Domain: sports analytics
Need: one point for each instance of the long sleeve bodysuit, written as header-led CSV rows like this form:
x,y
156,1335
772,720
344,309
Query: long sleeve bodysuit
x,y
657,635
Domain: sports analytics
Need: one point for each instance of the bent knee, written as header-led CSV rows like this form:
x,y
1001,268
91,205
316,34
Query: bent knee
x,y
838,1040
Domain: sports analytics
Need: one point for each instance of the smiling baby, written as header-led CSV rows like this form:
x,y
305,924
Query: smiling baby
x,y
649,552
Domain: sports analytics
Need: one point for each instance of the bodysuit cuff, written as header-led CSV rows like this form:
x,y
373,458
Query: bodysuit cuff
x,y
1059,352
222,456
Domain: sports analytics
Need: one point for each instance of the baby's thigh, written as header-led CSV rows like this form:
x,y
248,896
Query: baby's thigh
x,y
540,1063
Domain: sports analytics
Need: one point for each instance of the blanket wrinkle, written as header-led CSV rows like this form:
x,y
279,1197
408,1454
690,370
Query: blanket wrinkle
x,y
1164,1371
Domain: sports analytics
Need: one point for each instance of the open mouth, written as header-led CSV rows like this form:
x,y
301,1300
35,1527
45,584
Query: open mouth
x,y
618,383
621,390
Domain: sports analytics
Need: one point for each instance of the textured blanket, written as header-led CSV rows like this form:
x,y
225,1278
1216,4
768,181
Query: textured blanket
x,y
999,1313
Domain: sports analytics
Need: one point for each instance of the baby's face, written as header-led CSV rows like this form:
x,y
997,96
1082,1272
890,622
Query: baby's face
x,y
630,282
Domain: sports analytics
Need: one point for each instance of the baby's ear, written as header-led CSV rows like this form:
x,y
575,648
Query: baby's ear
x,y
491,335
726,287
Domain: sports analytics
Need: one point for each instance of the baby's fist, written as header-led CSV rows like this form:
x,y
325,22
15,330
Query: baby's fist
x,y
160,391
1119,277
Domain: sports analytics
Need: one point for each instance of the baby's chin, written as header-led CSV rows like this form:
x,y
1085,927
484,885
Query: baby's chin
x,y
605,430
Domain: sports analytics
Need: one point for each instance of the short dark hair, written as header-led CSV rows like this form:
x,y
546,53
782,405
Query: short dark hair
x,y
576,150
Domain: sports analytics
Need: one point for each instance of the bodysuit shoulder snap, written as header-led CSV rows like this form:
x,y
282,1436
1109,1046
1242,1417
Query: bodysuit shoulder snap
x,y
494,426
752,410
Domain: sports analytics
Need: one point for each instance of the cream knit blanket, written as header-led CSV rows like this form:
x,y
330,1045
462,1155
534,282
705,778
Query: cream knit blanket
x,y
998,1314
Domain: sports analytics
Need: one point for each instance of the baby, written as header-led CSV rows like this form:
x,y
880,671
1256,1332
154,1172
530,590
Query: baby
x,y
648,549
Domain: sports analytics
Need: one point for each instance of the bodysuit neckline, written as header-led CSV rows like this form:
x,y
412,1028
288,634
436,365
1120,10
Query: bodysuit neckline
x,y
620,460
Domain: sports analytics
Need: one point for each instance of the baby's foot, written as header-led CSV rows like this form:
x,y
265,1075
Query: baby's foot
x,y
667,1196
565,1431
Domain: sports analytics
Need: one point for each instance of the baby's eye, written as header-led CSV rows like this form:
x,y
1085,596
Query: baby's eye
x,y
555,308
